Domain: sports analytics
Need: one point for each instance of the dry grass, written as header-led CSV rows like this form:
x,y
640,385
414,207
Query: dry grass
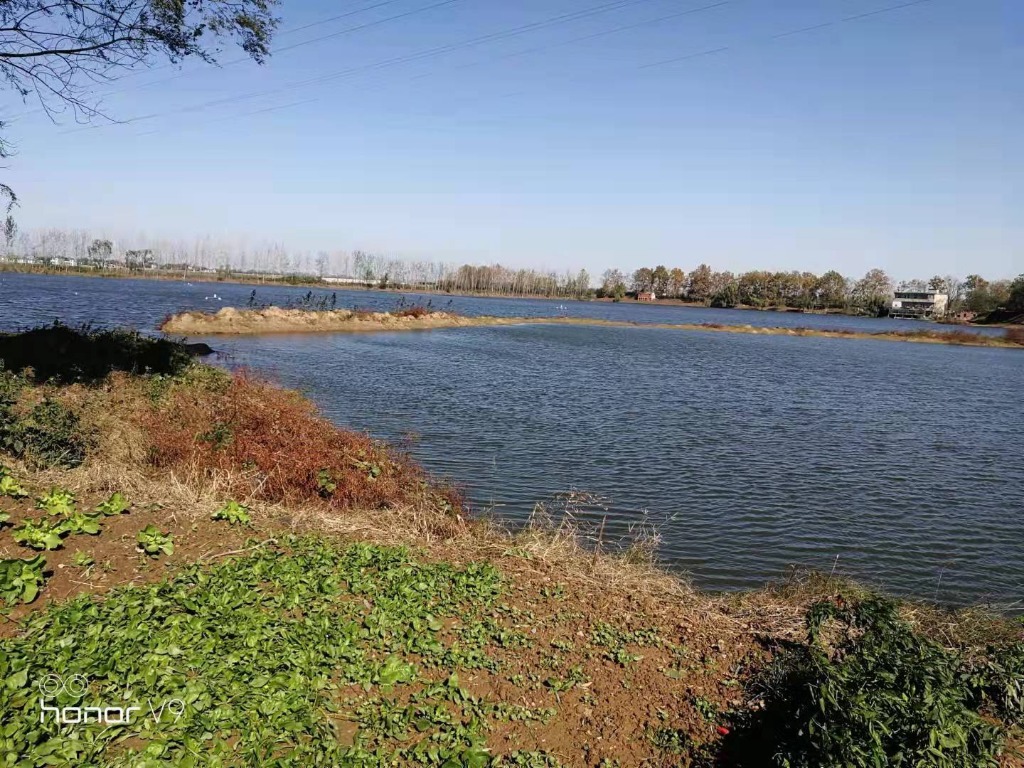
x,y
417,310
263,442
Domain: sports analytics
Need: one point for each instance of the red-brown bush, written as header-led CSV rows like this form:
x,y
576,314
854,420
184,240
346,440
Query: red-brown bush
x,y
271,443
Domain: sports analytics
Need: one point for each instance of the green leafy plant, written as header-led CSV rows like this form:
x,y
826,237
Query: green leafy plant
x,y
4,517
153,541
325,482
867,691
39,534
21,580
79,522
273,642
9,486
82,559
998,682
234,513
115,505
57,502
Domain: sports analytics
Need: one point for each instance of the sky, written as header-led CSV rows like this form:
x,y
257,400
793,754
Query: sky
x,y
594,134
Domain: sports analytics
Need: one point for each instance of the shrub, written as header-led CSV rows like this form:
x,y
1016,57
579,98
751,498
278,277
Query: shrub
x,y
275,447
49,435
998,681
867,691
66,355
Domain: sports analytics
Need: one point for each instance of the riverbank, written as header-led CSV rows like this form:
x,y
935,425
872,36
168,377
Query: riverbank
x,y
311,596
275,320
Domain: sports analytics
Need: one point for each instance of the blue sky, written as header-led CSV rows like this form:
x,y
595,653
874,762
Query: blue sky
x,y
893,140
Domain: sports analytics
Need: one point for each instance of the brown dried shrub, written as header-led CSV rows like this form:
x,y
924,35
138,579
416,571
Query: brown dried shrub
x,y
269,443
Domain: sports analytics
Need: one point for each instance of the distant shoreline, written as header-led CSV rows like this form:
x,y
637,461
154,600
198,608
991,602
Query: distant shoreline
x,y
275,321
299,281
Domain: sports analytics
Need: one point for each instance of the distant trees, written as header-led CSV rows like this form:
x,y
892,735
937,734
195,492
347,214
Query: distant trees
x,y
613,284
700,286
981,296
643,280
101,250
1015,300
870,294
830,290
874,291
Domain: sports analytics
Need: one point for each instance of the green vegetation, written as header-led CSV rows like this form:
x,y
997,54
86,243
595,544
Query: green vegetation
x,y
234,513
57,502
21,580
68,355
115,505
45,434
153,541
9,486
40,534
265,653
868,691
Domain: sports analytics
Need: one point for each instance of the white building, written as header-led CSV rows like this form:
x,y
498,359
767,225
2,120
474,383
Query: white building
x,y
916,304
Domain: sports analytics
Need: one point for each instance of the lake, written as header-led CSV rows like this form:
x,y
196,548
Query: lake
x,y
897,464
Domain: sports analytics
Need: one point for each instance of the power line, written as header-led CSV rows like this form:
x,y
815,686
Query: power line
x,y
694,55
428,53
797,31
650,65
244,59
602,33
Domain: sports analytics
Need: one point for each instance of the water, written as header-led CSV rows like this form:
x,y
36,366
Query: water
x,y
752,453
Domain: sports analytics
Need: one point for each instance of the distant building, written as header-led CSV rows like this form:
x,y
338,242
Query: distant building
x,y
916,304
343,280
646,296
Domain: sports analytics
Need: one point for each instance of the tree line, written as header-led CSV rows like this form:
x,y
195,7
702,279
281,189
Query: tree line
x,y
871,293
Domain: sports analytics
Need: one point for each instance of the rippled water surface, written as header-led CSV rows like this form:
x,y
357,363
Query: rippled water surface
x,y
895,463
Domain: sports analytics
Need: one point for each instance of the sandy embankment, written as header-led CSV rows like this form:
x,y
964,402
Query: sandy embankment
x,y
274,320
233,321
